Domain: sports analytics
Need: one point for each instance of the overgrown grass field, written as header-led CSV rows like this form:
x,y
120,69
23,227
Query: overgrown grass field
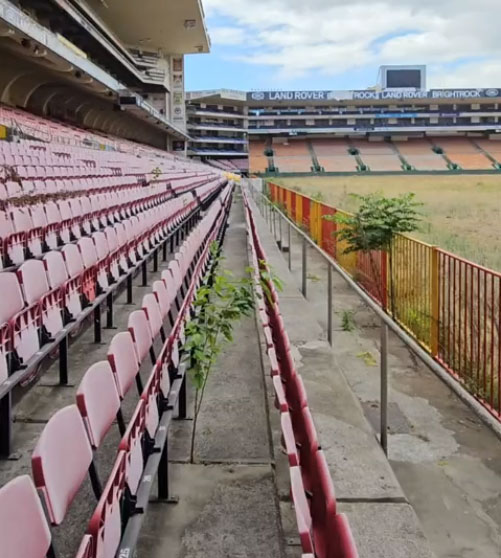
x,y
461,213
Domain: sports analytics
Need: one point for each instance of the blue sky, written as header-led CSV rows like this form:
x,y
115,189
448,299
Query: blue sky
x,y
327,44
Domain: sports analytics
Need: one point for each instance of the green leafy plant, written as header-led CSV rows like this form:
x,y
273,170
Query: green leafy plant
x,y
218,306
347,321
267,275
373,228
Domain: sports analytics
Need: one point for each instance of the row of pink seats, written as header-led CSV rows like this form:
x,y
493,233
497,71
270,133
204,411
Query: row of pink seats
x,y
64,454
32,229
323,532
46,294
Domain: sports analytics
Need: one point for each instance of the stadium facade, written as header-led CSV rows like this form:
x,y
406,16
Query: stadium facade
x,y
304,131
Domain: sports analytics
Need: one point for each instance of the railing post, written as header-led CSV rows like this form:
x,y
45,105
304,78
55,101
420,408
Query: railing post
x,y
329,303
290,248
305,268
435,300
280,231
384,387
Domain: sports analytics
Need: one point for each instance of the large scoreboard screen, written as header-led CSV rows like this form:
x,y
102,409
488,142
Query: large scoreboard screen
x,y
403,78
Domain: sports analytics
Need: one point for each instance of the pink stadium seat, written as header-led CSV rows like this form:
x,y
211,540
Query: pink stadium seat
x,y
98,401
57,274
302,509
323,503
340,543
4,370
152,310
72,259
288,439
163,296
280,399
295,392
15,242
26,323
140,331
11,301
33,280
105,526
61,460
24,532
86,548
88,252
123,359
101,245
132,445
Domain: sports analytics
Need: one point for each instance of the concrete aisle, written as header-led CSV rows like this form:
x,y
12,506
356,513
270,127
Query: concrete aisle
x,y
228,505
447,462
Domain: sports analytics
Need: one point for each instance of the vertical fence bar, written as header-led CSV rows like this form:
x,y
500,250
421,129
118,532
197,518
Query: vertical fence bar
x,y
290,248
280,239
384,387
435,301
305,268
329,303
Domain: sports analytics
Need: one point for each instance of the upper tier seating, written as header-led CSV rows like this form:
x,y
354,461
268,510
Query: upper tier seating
x,y
333,155
292,157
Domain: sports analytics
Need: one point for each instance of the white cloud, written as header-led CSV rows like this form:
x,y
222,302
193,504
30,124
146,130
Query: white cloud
x,y
332,37
227,35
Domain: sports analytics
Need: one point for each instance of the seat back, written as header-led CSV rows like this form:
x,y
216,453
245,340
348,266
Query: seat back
x,y
24,532
123,360
163,297
72,259
98,401
33,280
140,330
60,461
87,252
341,543
57,273
152,310
11,301
101,245
105,525
85,550
302,509
131,443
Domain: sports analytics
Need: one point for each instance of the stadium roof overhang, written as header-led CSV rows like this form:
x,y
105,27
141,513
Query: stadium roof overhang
x,y
38,66
172,26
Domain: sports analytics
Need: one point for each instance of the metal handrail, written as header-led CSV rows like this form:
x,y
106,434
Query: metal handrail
x,y
269,210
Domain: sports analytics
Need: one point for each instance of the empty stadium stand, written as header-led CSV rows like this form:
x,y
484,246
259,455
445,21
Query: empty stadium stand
x,y
333,155
258,162
378,155
293,156
418,153
465,153
490,147
70,444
